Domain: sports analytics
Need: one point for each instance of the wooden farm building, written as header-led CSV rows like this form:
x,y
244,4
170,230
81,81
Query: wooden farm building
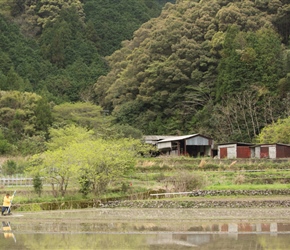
x,y
271,151
234,150
194,145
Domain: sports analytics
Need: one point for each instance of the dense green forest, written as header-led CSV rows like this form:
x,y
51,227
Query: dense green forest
x,y
132,67
220,68
51,55
56,48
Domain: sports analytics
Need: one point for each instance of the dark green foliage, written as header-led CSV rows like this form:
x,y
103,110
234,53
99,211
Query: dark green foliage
x,y
37,185
249,60
27,67
126,131
43,116
64,44
85,184
212,67
282,21
60,38
114,22
25,118
20,62
66,41
220,68
124,187
5,146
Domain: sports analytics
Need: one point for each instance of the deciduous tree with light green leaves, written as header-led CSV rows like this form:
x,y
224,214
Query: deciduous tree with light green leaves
x,y
106,161
278,132
73,152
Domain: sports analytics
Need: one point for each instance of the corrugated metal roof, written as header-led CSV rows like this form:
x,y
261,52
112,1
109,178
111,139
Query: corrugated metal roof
x,y
179,138
270,144
238,143
156,137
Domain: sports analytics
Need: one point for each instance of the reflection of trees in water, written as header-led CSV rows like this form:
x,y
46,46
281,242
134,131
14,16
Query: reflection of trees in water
x,y
82,241
149,241
246,241
226,242
279,242
222,242
114,234
110,225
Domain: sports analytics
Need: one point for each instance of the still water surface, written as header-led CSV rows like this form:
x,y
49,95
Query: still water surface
x,y
136,229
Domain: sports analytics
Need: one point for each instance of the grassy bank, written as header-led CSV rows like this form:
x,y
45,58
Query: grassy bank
x,y
176,174
207,173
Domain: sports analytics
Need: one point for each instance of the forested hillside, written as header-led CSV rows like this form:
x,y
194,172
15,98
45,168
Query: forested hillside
x,y
216,67
56,47
51,54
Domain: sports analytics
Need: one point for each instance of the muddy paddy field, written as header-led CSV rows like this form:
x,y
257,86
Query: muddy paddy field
x,y
152,228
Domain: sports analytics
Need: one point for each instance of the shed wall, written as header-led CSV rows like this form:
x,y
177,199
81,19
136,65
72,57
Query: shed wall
x,y
252,152
243,152
264,152
198,140
222,153
161,145
272,152
258,152
231,150
287,151
282,151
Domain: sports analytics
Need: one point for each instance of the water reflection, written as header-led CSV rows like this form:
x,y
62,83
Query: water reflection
x,y
37,235
272,227
7,231
218,241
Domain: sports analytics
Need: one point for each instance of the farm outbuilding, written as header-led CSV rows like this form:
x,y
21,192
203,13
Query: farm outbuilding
x,y
234,150
153,139
194,145
271,151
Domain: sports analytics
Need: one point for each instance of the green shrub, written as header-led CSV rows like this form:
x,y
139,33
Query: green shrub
x,y
124,187
37,185
5,146
85,183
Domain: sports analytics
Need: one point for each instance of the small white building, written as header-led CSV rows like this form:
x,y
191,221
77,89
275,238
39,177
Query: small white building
x,y
271,151
234,150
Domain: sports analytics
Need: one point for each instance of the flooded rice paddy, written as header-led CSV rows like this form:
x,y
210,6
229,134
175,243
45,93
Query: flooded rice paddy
x,y
210,229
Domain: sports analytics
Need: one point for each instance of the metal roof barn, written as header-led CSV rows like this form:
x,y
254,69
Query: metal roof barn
x,y
193,145
153,139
